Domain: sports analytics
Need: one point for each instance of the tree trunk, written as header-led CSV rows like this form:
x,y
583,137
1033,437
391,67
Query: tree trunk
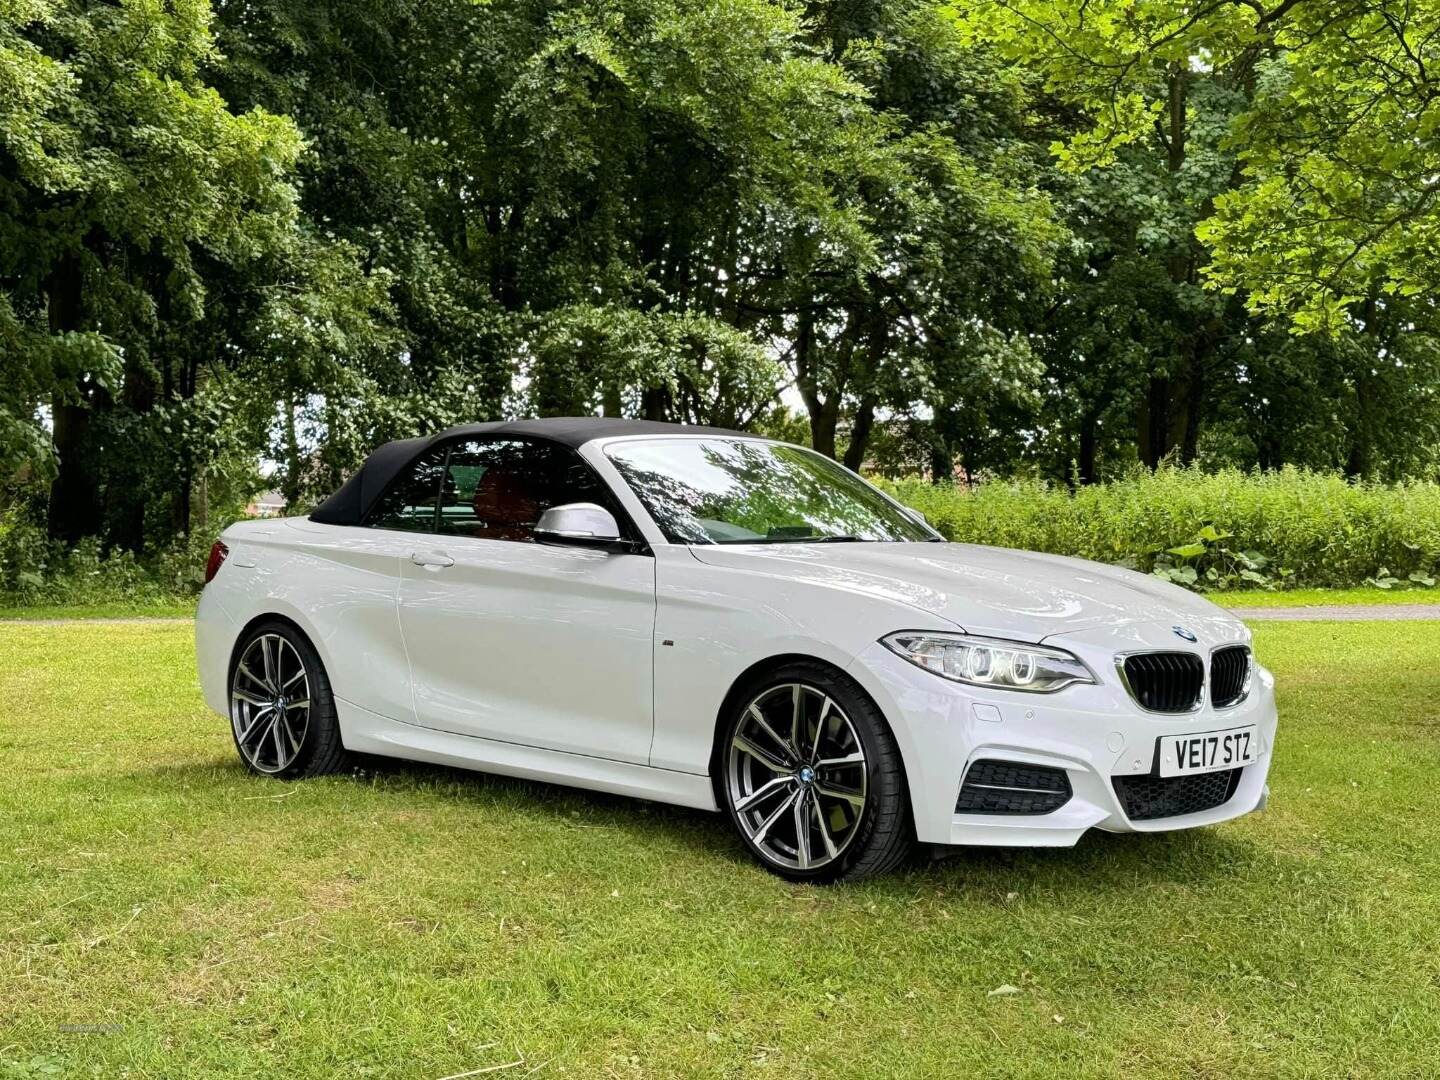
x,y
130,491
942,464
291,487
1165,419
185,492
824,413
1153,426
1194,398
824,422
1089,438
74,510
877,339
74,496
1359,461
860,434
655,403
610,399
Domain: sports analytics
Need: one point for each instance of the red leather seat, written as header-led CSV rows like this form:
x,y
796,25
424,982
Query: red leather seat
x,y
506,507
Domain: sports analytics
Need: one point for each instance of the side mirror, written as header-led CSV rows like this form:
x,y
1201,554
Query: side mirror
x,y
581,525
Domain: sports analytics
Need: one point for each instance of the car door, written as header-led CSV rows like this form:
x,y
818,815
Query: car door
x,y
350,584
523,642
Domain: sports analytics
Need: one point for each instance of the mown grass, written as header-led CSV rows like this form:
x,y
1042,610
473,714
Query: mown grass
x,y
1325,597
417,922
118,609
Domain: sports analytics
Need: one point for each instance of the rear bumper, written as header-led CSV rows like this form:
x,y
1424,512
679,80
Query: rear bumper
x,y
214,639
1092,733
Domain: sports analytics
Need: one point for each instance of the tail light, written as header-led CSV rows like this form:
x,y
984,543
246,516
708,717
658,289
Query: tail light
x,y
218,551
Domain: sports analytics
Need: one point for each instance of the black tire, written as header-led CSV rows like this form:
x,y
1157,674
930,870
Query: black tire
x,y
320,749
881,833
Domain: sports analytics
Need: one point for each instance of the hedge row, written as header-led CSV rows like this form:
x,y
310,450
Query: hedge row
x,y
1230,529
1210,530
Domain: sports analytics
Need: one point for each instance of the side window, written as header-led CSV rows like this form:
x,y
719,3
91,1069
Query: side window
x,y
409,504
496,489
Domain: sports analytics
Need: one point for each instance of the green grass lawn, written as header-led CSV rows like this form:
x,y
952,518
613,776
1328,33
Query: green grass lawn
x,y
190,920
1320,597
171,609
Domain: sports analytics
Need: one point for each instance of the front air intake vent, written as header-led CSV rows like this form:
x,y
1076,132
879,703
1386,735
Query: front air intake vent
x,y
1148,798
1168,682
1009,787
1229,676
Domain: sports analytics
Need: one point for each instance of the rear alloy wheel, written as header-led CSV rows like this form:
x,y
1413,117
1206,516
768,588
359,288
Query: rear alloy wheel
x,y
282,714
812,778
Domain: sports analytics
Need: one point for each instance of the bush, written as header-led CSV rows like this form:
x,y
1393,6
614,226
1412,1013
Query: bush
x,y
1222,530
36,571
1229,529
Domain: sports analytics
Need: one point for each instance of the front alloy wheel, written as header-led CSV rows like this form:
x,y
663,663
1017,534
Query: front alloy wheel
x,y
812,778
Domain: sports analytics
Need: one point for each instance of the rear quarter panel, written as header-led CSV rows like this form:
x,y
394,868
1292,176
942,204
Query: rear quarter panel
x,y
338,584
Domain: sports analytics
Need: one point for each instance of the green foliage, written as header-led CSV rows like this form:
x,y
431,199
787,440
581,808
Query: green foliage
x,y
973,238
585,359
151,243
642,206
1334,130
1291,527
38,572
1209,562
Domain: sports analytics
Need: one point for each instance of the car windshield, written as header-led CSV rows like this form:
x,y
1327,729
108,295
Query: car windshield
x,y
734,491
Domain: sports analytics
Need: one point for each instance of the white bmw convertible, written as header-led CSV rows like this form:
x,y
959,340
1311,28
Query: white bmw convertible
x,y
722,621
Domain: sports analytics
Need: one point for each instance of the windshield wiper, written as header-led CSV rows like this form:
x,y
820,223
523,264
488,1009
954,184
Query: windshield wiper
x,y
839,539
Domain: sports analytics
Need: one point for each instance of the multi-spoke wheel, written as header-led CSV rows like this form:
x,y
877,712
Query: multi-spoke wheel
x,y
282,713
812,777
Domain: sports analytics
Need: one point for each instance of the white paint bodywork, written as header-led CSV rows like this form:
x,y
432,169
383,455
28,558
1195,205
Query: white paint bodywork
x,y
609,671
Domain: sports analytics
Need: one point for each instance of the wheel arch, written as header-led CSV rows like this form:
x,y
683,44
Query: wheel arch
x,y
754,673
259,620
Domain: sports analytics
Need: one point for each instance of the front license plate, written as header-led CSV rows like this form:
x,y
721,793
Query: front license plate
x,y
1207,751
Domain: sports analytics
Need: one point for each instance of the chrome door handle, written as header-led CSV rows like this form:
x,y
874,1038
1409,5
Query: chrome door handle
x,y
431,558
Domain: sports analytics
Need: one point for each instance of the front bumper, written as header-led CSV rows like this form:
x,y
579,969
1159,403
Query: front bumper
x,y
1094,733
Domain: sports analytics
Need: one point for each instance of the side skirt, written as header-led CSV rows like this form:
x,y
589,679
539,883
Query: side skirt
x,y
368,733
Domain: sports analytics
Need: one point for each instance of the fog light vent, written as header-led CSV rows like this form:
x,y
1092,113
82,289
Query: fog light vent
x,y
1009,787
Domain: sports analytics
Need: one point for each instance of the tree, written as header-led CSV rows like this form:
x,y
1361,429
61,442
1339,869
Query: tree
x,y
676,183
1277,158
964,233
140,217
1335,131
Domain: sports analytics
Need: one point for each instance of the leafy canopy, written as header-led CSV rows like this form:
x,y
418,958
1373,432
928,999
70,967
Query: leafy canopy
x,y
1337,148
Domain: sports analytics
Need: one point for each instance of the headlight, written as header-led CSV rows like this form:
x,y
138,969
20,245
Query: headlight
x,y
980,661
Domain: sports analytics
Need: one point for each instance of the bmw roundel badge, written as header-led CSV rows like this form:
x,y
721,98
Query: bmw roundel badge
x,y
1181,632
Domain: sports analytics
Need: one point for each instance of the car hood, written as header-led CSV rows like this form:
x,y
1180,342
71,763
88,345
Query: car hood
x,y
1022,595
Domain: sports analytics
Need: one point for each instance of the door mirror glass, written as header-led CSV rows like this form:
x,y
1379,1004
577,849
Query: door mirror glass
x,y
580,525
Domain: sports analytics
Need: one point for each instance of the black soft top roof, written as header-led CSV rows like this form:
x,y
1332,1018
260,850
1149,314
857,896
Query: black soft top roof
x,y
349,505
